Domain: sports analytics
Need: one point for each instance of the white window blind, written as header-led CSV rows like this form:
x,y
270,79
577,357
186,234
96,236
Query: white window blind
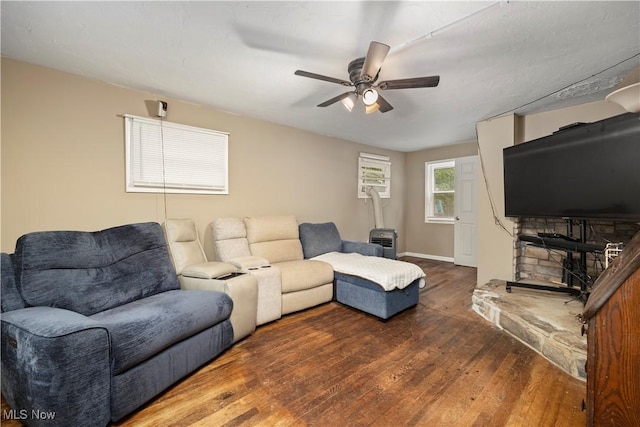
x,y
173,158
374,171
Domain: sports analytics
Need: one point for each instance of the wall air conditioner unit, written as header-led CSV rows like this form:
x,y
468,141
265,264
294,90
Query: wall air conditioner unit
x,y
386,237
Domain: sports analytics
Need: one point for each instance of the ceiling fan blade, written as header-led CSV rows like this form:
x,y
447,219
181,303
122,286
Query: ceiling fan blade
x,y
373,61
335,99
321,77
384,105
415,82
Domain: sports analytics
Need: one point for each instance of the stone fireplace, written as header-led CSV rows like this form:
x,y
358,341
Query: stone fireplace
x,y
547,321
539,264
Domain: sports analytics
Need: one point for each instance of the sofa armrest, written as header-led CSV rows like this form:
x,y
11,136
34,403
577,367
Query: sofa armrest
x,y
209,270
56,362
251,262
363,248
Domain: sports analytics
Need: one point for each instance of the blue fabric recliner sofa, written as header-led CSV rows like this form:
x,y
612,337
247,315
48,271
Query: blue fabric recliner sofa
x,y
94,324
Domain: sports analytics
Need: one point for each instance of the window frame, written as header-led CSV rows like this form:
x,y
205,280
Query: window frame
x,y
429,170
375,161
149,144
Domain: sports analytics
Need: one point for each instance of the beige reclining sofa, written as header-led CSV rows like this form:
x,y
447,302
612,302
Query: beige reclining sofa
x,y
257,244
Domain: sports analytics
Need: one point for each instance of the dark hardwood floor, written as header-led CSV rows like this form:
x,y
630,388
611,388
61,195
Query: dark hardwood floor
x,y
438,364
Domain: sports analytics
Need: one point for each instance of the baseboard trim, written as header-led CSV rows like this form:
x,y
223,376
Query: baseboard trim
x,y
426,256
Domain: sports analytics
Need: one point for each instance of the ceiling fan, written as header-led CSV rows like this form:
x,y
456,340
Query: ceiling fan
x,y
363,74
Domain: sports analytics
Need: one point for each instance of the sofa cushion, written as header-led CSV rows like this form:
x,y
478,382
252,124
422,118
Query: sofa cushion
x,y
11,299
182,230
230,238
228,228
268,228
145,327
318,239
89,272
275,238
184,244
278,251
304,274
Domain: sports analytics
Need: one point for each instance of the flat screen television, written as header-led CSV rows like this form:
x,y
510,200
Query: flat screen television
x,y
583,171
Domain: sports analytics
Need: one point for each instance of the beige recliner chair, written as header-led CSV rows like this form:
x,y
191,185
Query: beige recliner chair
x,y
231,245
305,283
195,272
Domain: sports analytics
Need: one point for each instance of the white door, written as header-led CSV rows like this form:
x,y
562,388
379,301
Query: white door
x,y
466,219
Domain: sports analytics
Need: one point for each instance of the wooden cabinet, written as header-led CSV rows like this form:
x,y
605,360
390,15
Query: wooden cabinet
x,y
612,315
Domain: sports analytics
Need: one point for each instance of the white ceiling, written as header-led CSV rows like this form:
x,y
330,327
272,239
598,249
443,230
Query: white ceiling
x,y
240,57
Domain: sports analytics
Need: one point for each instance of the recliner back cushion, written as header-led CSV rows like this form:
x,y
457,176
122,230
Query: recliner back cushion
x,y
275,238
230,238
11,299
318,239
184,245
89,272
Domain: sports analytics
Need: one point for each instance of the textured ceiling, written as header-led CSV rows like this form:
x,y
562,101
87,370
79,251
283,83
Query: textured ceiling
x,y
240,57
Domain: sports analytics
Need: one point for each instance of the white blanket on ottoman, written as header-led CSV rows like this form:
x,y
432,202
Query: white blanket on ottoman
x,y
389,273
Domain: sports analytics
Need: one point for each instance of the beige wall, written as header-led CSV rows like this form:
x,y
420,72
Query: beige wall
x,y
62,167
429,240
495,246
63,163
543,124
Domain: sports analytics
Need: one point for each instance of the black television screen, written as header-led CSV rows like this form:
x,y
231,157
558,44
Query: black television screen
x,y
586,171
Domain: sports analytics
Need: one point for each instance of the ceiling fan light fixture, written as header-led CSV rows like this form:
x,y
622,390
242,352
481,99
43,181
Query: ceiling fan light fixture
x,y
369,96
372,108
627,93
363,75
350,101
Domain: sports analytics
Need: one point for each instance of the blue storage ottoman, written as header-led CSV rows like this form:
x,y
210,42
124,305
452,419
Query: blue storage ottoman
x,y
371,298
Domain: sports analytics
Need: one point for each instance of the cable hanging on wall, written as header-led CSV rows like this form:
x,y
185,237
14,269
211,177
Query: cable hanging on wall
x,y
162,113
496,218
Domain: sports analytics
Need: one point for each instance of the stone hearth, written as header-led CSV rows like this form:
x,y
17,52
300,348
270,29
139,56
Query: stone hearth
x,y
545,321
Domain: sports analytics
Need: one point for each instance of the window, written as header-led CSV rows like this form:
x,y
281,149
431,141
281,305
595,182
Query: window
x,y
172,158
440,191
374,171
